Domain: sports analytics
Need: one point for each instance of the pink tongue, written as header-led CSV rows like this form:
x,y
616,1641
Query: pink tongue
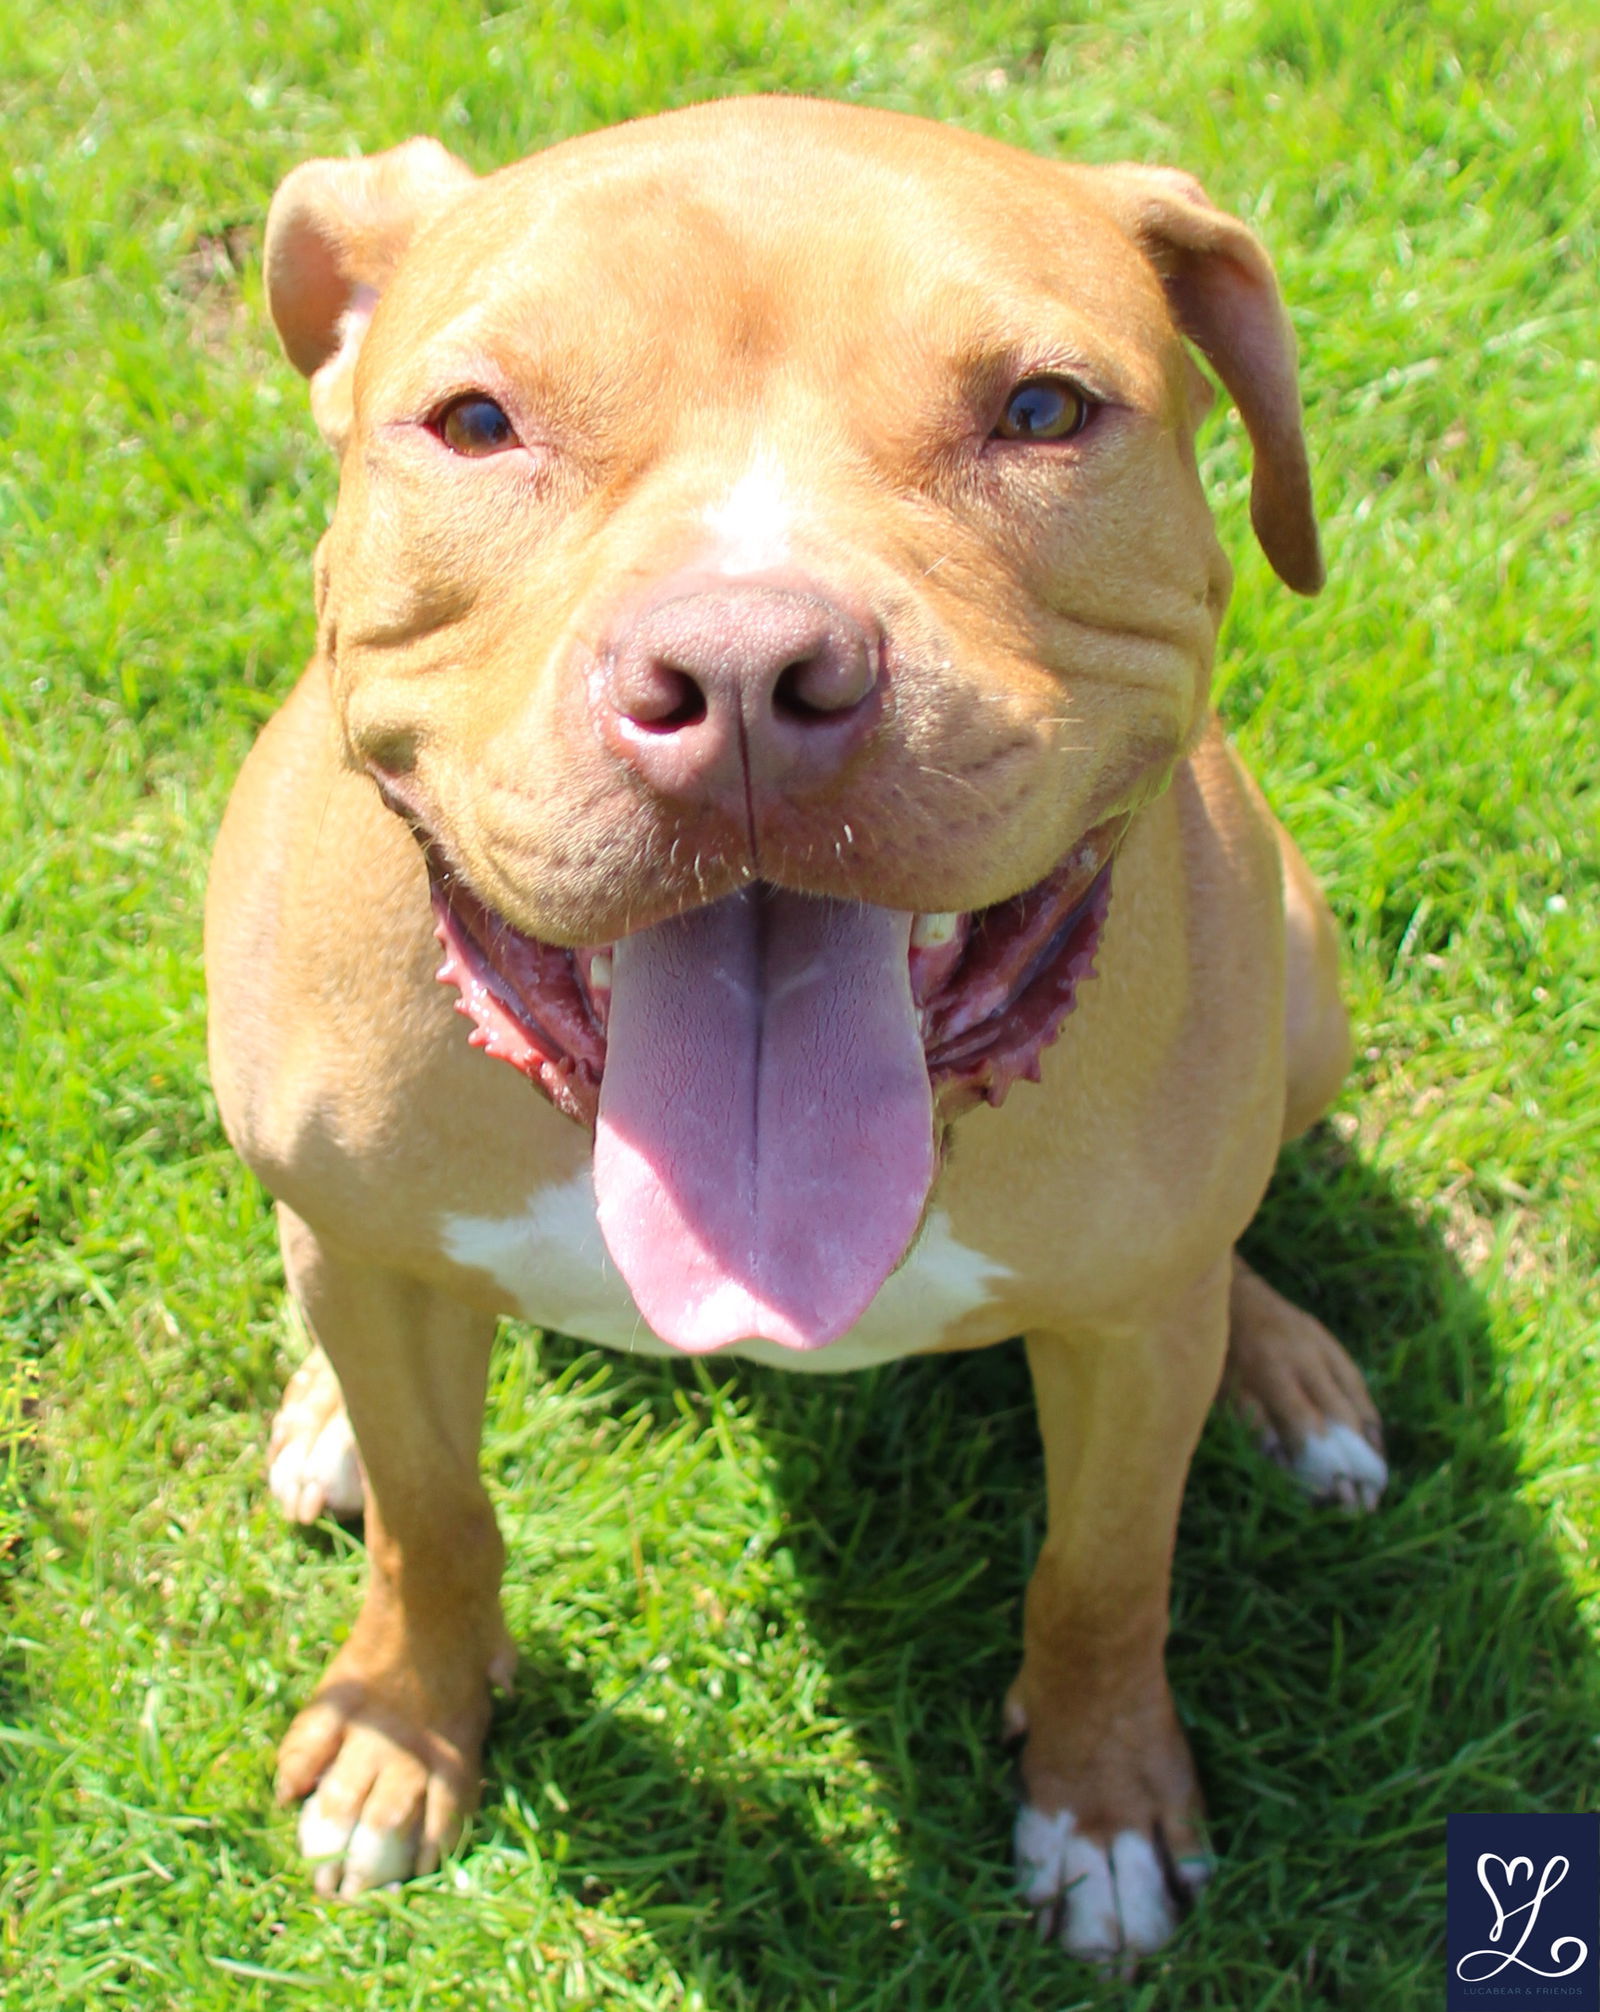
x,y
765,1140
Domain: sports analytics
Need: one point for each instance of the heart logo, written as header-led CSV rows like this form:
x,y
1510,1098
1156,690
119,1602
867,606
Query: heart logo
x,y
1499,1959
1509,1867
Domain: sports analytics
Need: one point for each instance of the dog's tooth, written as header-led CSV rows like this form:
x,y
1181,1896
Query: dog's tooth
x,y
600,971
933,932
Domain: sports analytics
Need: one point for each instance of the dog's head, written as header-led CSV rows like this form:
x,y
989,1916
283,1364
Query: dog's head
x,y
770,570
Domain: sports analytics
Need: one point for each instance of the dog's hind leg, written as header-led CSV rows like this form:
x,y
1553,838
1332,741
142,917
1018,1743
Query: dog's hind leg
x,y
1286,1375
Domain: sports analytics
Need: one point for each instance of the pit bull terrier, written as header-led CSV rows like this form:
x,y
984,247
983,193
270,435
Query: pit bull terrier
x,y
762,662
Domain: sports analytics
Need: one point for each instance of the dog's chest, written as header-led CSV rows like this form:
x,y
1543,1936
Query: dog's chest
x,y
551,1264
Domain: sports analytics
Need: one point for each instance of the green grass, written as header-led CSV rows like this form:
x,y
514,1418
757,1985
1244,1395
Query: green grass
x,y
765,1624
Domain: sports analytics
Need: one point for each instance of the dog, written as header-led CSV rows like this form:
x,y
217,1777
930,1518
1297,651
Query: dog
x,y
762,666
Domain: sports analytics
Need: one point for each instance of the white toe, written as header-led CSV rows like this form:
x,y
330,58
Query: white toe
x,y
283,1476
1143,1906
336,1466
375,1858
1114,1898
323,1839
1337,1465
1040,1842
315,1469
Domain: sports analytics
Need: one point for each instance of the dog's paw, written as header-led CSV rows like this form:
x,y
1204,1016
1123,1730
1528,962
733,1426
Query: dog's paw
x,y
1107,1901
1334,1464
357,1834
1303,1397
313,1468
1110,1843
386,1771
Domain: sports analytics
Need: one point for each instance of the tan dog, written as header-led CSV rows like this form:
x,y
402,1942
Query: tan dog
x,y
765,637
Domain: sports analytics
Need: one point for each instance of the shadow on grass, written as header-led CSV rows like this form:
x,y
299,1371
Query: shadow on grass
x,y
1347,1682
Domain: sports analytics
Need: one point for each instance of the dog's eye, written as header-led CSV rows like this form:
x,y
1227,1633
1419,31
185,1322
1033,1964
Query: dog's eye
x,y
475,425
1043,408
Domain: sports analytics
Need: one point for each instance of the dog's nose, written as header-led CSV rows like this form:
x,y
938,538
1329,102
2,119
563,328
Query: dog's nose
x,y
742,689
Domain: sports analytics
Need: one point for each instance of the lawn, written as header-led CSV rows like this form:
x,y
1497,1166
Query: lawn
x,y
752,1761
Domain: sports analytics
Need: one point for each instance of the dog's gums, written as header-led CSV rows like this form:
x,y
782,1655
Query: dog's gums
x,y
805,1048
991,989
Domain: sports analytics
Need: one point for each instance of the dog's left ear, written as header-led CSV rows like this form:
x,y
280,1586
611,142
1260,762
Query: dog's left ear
x,y
335,233
1224,296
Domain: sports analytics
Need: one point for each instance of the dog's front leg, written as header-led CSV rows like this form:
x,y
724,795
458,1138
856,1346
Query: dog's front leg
x,y
1109,1842
387,1751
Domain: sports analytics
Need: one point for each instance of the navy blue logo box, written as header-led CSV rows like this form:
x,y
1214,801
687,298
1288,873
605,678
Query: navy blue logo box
x,y
1523,1913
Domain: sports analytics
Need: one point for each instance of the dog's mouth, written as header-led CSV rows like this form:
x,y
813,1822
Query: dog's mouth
x,y
766,1076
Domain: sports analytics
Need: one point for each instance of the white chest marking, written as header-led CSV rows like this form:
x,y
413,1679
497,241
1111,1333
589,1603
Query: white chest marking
x,y
554,1269
751,523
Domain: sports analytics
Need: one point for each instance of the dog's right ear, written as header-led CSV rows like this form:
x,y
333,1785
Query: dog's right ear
x,y
335,233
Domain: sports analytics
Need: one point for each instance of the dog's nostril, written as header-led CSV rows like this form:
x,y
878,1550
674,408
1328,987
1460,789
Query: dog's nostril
x,y
789,694
823,683
669,700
